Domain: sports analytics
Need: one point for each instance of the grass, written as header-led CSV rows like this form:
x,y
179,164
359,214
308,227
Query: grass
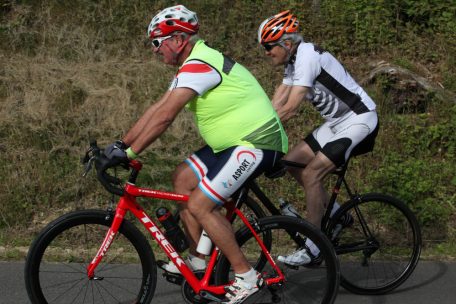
x,y
73,73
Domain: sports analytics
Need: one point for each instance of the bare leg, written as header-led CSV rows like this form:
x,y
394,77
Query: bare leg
x,y
218,229
311,178
184,182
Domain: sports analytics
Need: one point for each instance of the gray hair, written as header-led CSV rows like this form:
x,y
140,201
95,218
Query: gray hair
x,y
193,38
295,38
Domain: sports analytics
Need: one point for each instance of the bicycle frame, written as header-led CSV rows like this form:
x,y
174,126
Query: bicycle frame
x,y
340,172
128,203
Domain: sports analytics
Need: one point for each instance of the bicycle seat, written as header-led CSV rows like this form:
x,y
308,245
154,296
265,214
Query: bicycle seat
x,y
277,171
367,144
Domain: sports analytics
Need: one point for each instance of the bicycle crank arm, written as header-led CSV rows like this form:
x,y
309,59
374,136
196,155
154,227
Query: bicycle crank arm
x,y
209,296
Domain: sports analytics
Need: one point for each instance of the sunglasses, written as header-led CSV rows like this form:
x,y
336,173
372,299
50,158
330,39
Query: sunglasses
x,y
269,46
157,42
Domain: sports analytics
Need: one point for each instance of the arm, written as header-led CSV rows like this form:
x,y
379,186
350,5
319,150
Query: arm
x,y
281,96
157,118
288,108
133,133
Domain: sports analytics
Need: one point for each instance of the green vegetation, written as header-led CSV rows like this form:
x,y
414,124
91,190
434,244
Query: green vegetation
x,y
75,70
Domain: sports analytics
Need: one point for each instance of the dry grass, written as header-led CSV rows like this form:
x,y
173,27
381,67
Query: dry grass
x,y
70,73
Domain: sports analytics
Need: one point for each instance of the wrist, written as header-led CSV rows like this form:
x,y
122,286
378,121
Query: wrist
x,y
121,144
131,154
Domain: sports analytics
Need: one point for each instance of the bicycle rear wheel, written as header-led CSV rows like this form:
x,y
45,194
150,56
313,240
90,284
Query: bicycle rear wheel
x,y
382,247
55,270
318,284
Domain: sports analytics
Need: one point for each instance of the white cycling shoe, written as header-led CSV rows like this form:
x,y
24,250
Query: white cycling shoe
x,y
240,290
301,257
194,263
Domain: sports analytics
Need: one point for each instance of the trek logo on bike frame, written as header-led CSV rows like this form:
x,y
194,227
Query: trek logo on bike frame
x,y
161,239
105,246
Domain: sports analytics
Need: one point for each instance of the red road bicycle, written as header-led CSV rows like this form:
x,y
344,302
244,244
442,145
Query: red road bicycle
x,y
99,256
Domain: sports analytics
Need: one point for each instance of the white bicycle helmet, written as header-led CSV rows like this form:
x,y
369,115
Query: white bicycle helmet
x,y
172,19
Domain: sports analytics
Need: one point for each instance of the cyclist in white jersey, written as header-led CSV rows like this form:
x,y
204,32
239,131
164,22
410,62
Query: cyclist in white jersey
x,y
314,75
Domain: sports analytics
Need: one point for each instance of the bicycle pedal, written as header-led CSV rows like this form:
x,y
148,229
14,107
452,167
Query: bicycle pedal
x,y
176,279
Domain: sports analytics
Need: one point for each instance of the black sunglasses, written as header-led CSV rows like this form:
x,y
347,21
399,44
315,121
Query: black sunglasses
x,y
269,46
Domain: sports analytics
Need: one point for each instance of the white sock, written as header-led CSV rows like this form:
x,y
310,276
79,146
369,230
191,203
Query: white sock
x,y
197,263
312,247
335,208
249,277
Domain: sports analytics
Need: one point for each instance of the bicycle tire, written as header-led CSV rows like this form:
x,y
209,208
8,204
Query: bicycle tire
x,y
378,262
317,284
55,269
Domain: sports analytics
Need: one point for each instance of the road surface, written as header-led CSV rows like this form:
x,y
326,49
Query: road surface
x,y
431,283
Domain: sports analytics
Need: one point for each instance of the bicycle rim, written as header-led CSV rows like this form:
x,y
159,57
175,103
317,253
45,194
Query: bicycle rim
x,y
57,262
318,284
379,255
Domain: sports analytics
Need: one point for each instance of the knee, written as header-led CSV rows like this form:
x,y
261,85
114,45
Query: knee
x,y
195,210
310,178
183,182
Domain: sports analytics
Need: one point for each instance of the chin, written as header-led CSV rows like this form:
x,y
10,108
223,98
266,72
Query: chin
x,y
277,63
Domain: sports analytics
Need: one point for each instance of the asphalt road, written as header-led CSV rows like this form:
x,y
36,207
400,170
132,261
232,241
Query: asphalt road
x,y
432,282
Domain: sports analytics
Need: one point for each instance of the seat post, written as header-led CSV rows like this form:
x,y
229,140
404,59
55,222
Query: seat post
x,y
340,172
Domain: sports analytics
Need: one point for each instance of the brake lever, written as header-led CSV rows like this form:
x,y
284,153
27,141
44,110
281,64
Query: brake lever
x,y
88,166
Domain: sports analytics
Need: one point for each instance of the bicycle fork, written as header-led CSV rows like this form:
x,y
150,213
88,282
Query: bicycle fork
x,y
109,238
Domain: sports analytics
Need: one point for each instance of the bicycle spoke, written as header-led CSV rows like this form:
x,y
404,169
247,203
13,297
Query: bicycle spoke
x,y
66,291
72,243
381,248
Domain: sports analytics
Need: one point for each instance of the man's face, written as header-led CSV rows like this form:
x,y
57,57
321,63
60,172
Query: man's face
x,y
277,53
165,48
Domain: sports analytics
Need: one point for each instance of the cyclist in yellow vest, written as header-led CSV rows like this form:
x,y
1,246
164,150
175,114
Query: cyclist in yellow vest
x,y
234,116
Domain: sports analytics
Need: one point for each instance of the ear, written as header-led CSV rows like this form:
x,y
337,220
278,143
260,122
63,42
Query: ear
x,y
179,39
288,44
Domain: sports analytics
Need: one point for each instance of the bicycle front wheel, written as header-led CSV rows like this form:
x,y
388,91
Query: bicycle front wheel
x,y
56,266
382,247
317,284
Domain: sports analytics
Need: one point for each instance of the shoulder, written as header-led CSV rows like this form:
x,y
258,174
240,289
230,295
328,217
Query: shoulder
x,y
308,52
196,67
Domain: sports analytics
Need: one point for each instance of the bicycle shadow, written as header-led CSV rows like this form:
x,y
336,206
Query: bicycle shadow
x,y
421,278
426,273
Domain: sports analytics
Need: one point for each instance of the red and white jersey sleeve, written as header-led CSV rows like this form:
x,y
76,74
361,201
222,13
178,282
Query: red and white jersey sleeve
x,y
198,76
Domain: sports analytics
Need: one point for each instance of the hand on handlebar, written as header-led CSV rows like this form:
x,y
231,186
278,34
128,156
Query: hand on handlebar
x,y
112,156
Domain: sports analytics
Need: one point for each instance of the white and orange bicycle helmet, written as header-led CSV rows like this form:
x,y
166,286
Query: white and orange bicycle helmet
x,y
273,28
173,19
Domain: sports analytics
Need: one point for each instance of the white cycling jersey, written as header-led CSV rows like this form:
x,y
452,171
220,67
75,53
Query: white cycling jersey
x,y
334,93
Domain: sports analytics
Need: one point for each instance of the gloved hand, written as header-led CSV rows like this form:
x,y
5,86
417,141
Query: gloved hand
x,y
118,144
113,155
